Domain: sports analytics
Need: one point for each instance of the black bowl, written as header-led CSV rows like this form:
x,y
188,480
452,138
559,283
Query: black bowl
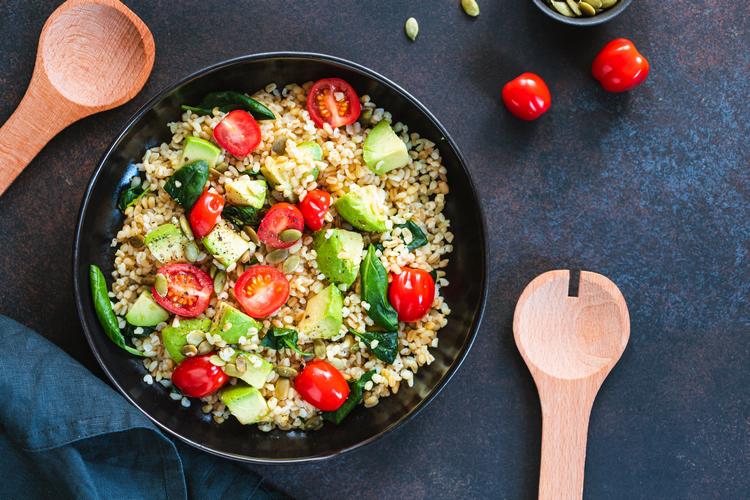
x,y
99,221
602,18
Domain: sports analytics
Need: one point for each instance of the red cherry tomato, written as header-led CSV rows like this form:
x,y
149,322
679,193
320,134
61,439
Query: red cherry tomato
x,y
411,293
322,385
206,213
314,208
188,290
619,66
527,97
238,133
197,377
333,101
261,290
279,218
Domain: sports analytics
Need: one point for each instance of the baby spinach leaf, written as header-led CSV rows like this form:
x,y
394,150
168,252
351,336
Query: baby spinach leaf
x,y
418,238
387,346
374,287
242,216
356,390
197,110
279,338
186,185
129,330
130,195
228,101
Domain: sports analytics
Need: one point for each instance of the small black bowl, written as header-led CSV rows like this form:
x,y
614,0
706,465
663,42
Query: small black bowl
x,y
602,18
99,221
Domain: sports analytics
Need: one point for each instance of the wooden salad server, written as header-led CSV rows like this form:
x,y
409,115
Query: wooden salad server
x,y
93,55
570,330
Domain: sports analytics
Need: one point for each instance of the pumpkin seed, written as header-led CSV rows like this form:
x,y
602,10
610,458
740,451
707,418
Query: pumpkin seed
x,y
147,280
213,172
365,119
212,271
221,167
279,145
231,370
470,7
191,252
195,337
597,4
219,281
291,264
290,235
587,9
189,350
319,347
286,371
606,4
217,361
277,256
136,241
253,235
562,8
573,4
161,285
185,226
245,258
241,364
282,388
411,28
205,347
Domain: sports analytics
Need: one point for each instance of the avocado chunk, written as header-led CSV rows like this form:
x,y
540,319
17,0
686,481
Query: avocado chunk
x,y
323,314
146,312
200,149
246,192
245,403
278,172
232,324
339,253
363,208
166,243
256,372
225,244
384,150
311,148
174,338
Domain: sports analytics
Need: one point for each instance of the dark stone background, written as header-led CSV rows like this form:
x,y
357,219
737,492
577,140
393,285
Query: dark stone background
x,y
651,188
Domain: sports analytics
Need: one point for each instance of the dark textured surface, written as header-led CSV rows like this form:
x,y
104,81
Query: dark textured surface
x,y
651,189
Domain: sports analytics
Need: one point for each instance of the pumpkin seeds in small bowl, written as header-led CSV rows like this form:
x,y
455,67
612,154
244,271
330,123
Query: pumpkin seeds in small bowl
x,y
582,12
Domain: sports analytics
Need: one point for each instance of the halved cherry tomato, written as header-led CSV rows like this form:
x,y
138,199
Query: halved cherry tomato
x,y
333,101
188,290
411,293
527,96
261,290
206,213
238,133
197,377
279,218
315,207
322,385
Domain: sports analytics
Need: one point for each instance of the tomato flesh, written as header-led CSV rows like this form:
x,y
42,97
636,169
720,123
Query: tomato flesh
x,y
411,293
206,213
188,290
527,96
333,101
261,291
197,377
314,208
279,218
322,385
238,133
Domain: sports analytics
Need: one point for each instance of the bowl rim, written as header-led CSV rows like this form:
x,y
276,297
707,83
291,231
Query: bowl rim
x,y
136,117
584,21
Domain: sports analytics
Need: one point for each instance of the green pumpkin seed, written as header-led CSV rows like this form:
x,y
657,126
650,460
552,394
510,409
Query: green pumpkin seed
x,y
411,28
365,119
231,370
470,7
161,285
319,348
189,350
290,235
136,241
597,4
279,145
185,226
253,235
221,167
573,4
213,172
291,264
191,251
285,371
282,388
212,271
587,9
205,347
219,281
562,8
241,364
217,361
195,337
277,256
606,4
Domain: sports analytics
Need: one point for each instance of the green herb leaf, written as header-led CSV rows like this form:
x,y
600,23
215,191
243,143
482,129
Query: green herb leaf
x,y
279,338
242,216
130,330
418,238
186,185
228,101
104,311
374,287
356,390
130,195
197,110
387,347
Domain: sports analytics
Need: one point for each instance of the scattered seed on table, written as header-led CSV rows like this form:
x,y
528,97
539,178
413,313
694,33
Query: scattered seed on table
x,y
471,7
411,28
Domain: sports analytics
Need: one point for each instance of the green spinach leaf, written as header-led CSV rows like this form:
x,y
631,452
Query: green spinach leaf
x,y
230,100
279,338
130,195
356,390
374,288
186,185
242,216
129,330
418,238
387,346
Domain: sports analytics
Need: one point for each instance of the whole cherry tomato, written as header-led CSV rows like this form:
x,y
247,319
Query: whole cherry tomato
x,y
206,213
314,208
197,377
411,293
322,385
527,96
619,66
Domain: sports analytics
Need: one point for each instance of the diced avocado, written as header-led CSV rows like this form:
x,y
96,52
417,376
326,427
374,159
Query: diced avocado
x,y
278,172
363,208
323,317
225,244
232,323
166,243
174,337
246,192
339,253
200,149
256,372
146,312
245,403
312,148
384,150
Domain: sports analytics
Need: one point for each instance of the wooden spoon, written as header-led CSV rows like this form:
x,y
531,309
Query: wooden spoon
x,y
93,55
570,333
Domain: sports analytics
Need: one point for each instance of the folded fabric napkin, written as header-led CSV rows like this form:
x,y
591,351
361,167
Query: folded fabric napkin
x,y
66,434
